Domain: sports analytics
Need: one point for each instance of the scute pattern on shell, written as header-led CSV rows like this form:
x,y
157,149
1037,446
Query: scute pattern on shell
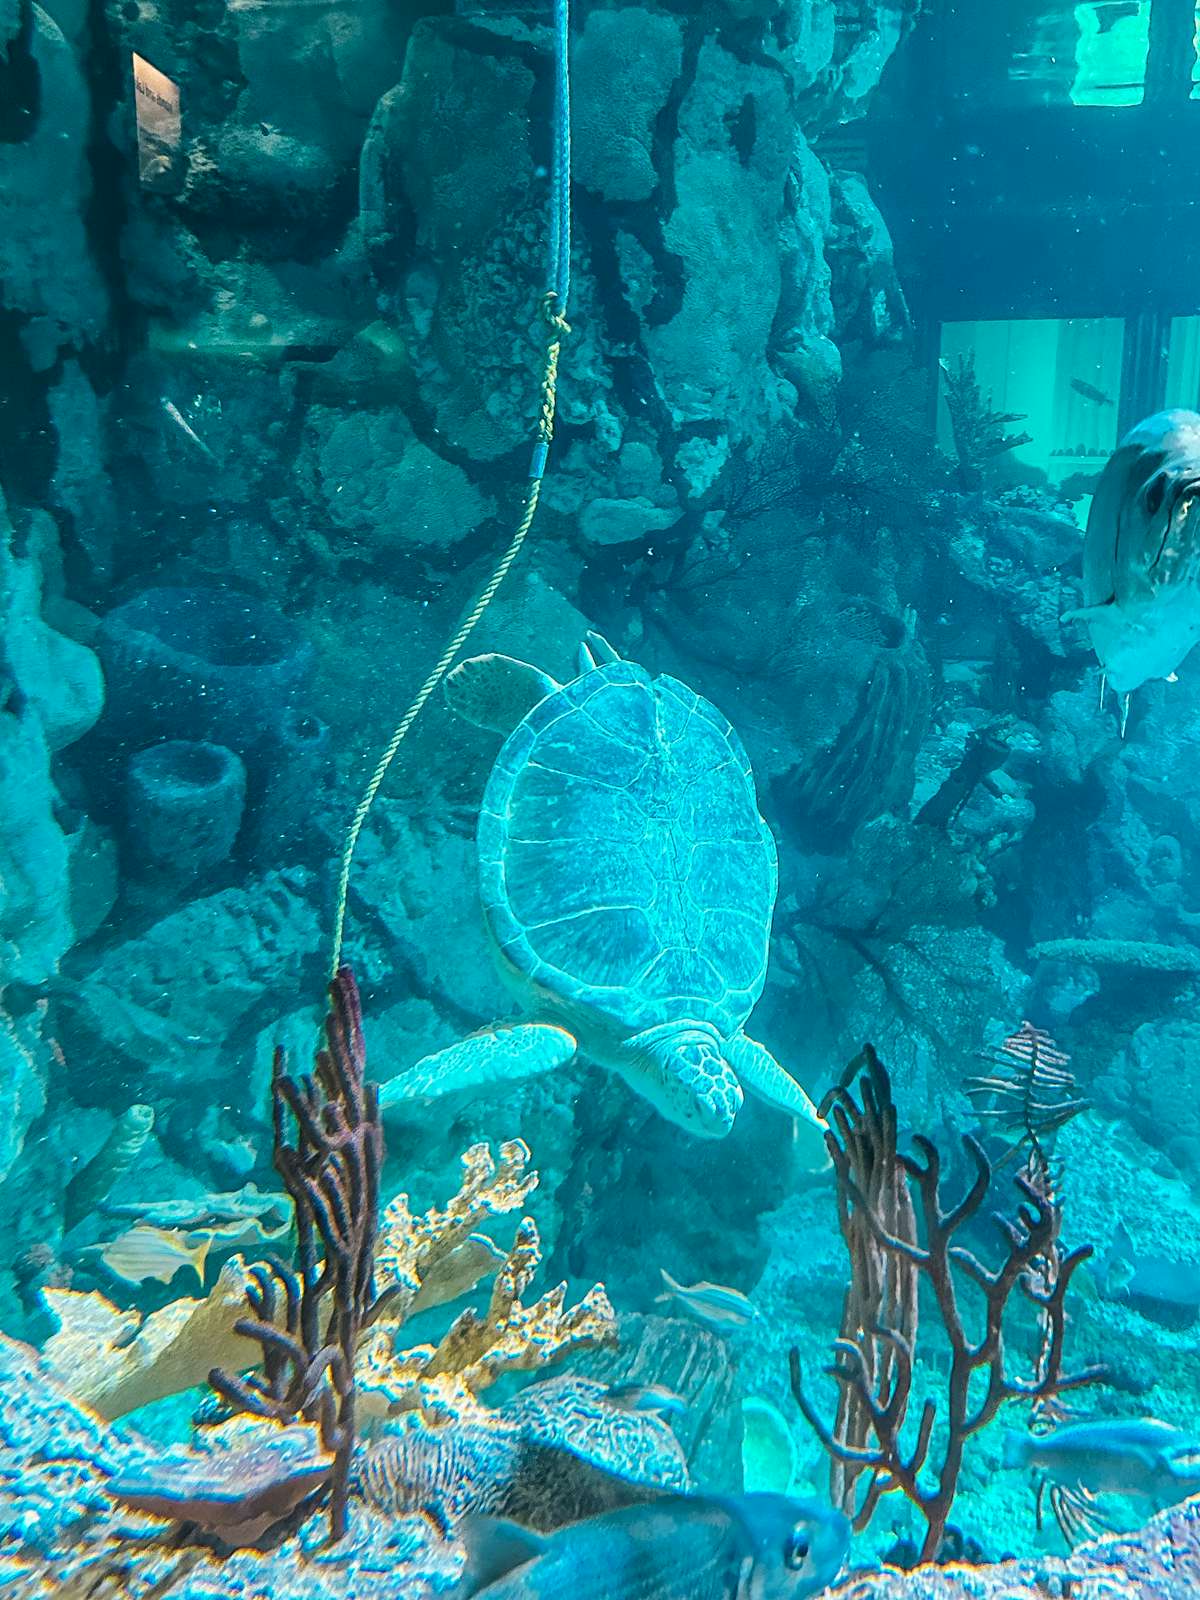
x,y
624,864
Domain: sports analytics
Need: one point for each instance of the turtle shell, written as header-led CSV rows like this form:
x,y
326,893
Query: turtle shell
x,y
624,865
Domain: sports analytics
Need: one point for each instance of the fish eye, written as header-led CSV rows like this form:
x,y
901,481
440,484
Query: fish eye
x,y
1154,495
795,1551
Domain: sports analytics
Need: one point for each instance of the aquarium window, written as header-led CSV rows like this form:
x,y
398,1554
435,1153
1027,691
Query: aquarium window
x,y
1111,52
1183,364
1060,376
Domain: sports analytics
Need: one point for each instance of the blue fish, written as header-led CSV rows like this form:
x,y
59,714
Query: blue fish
x,y
1138,1456
680,1547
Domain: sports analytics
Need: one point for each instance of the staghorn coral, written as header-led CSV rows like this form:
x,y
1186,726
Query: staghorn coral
x,y
443,1379
309,1347
411,1249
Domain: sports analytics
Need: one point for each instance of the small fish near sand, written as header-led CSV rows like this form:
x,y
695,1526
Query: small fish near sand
x,y
1140,1457
712,1305
653,1397
143,1252
681,1547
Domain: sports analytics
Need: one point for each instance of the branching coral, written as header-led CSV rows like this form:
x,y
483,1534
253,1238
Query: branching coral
x,y
443,1379
882,1288
418,1266
412,1250
322,1335
332,1175
980,433
879,1393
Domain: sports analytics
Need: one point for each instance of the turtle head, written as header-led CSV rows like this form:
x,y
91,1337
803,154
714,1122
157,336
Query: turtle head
x,y
681,1069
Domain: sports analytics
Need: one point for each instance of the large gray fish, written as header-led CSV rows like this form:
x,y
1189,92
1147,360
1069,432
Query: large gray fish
x,y
681,1547
1138,1456
1141,552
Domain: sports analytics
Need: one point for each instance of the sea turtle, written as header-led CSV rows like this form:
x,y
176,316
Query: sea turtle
x,y
628,883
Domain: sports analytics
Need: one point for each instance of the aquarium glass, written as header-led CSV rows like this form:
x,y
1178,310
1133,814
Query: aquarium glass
x,y
599,800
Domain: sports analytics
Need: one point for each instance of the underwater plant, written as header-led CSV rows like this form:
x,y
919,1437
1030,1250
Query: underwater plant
x,y
895,1246
980,433
1030,1092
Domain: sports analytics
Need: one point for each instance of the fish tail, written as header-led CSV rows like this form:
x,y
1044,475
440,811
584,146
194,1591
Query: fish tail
x,y
672,1286
200,1256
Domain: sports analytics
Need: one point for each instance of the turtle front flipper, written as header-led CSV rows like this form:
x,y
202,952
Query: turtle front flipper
x,y
762,1076
680,1068
496,692
493,1059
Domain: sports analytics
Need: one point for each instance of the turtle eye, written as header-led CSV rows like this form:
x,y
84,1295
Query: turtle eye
x,y
1154,495
795,1551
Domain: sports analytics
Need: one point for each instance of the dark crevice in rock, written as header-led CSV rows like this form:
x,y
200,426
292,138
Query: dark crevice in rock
x,y
104,217
633,376
20,82
668,293
26,437
743,129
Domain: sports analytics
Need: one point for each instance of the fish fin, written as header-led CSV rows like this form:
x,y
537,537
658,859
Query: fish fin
x,y
1172,677
494,1548
1086,613
672,1286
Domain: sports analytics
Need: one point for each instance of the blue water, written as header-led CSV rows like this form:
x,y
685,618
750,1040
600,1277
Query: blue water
x,y
570,529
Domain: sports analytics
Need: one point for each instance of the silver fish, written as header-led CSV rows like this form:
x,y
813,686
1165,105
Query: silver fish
x,y
654,1397
680,1547
1090,392
1139,1456
1141,553
711,1304
181,422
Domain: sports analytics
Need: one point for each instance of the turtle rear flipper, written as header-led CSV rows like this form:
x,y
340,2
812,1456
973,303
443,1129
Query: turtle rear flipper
x,y
762,1076
496,692
595,651
493,1059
